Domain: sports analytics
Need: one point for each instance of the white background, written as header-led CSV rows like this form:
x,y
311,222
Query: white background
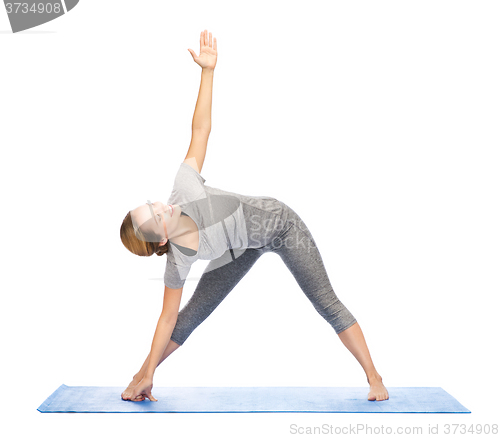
x,y
377,121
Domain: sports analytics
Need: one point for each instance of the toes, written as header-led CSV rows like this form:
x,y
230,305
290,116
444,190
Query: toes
x,y
378,396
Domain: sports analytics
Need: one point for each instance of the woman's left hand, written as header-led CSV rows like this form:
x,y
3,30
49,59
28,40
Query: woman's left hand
x,y
143,389
208,51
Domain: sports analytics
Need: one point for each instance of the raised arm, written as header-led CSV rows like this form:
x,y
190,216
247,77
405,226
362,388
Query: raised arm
x,y
202,118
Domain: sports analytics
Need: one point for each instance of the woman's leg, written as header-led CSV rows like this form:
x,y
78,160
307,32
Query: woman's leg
x,y
355,342
214,285
299,252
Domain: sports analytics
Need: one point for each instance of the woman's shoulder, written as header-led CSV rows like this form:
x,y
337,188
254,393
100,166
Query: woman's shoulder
x,y
189,167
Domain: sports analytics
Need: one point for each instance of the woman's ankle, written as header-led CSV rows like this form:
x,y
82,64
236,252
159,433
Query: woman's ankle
x,y
374,376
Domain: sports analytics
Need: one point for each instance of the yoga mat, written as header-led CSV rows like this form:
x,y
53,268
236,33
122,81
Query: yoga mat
x,y
253,399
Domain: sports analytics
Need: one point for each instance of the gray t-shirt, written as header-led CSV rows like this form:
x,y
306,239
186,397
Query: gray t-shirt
x,y
228,224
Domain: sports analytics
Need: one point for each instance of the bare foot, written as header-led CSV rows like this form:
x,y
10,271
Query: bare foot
x,y
378,391
128,392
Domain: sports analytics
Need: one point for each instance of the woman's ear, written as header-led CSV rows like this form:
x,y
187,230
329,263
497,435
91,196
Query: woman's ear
x,y
163,241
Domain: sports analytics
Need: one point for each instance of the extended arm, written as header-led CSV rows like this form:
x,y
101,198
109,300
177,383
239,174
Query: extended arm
x,y
202,118
201,123
164,329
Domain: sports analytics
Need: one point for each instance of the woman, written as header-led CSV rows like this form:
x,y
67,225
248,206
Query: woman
x,y
232,231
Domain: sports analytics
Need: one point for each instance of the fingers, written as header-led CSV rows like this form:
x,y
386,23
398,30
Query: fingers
x,y
203,39
206,40
150,396
140,398
133,397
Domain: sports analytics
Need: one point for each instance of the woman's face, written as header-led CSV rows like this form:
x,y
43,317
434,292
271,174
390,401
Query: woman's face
x,y
153,224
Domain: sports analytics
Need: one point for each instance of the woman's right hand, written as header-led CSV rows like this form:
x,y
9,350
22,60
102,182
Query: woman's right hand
x,y
208,51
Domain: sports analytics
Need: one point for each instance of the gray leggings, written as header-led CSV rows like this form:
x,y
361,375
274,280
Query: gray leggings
x,y
297,248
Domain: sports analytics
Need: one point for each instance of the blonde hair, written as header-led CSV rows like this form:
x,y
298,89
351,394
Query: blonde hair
x,y
133,242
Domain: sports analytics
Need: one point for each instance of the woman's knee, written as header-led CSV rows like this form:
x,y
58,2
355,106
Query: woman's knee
x,y
180,333
340,318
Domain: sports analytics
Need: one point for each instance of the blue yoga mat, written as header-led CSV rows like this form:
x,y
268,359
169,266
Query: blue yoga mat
x,y
253,399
